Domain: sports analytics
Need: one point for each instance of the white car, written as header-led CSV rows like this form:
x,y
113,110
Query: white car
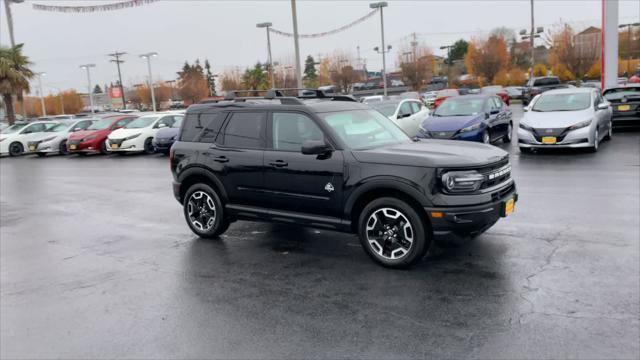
x,y
372,99
138,135
566,118
54,139
408,114
14,139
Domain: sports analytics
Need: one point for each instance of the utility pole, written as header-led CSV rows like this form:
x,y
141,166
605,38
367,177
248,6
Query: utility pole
x,y
533,49
89,89
628,44
267,25
117,60
40,75
380,6
448,47
7,9
414,46
295,42
148,57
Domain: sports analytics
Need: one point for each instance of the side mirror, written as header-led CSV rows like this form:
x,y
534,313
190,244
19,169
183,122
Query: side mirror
x,y
314,147
525,109
603,106
162,125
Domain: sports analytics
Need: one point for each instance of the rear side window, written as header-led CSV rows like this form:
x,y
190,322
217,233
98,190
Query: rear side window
x,y
245,130
201,127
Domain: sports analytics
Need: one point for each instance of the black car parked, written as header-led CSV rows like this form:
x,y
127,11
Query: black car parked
x,y
538,85
625,102
330,162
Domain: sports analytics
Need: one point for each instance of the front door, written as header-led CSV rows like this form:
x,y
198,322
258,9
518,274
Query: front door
x,y
297,182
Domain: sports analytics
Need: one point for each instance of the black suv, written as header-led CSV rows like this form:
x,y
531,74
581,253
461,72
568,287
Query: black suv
x,y
331,162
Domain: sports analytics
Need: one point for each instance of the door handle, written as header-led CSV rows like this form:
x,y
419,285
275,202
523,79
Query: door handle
x,y
278,163
220,159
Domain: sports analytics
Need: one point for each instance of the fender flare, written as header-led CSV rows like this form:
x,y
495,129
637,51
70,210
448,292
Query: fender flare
x,y
203,172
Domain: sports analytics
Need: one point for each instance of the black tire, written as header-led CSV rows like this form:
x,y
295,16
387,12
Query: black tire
x,y
165,152
148,146
63,148
41,154
81,153
525,150
509,135
486,137
596,142
219,224
383,254
609,133
16,149
103,148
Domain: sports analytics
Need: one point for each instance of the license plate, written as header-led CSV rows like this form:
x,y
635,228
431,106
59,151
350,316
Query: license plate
x,y
32,148
114,146
509,206
549,140
624,107
72,147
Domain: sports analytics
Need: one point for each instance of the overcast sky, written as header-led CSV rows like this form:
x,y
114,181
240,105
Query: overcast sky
x,y
225,31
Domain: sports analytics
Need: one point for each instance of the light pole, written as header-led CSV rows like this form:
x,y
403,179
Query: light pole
x,y
380,6
267,25
535,33
87,67
384,70
294,15
117,60
448,47
40,75
628,44
148,57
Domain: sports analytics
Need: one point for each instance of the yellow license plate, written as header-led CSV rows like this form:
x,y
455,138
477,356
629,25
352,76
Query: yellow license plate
x,y
72,147
624,107
549,140
509,206
32,148
114,146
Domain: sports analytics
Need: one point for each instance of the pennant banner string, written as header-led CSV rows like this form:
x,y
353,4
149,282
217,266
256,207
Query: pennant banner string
x,y
93,8
326,33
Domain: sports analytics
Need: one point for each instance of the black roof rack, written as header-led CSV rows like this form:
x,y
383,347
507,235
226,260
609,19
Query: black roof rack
x,y
279,94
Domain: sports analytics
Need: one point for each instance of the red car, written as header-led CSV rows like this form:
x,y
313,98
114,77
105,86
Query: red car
x,y
442,95
93,139
496,90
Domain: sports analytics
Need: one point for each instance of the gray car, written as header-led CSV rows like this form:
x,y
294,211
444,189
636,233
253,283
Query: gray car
x,y
566,118
54,140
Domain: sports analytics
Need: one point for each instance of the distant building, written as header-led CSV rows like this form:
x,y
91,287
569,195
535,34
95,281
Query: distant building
x,y
588,43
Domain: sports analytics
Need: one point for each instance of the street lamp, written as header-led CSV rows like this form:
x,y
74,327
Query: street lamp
x,y
40,75
535,33
628,43
267,25
380,6
87,67
148,57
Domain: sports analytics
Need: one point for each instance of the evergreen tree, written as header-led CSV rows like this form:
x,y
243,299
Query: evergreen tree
x,y
310,75
211,81
97,89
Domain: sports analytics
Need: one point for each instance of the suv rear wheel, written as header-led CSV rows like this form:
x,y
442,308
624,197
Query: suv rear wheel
x,y
392,232
204,211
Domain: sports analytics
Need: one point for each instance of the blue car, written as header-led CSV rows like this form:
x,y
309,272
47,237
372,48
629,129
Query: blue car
x,y
480,118
166,136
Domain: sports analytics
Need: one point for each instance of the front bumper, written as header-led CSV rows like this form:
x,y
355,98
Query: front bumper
x,y
119,145
579,138
162,145
90,146
457,225
43,147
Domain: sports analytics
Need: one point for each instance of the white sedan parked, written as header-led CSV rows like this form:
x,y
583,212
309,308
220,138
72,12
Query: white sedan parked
x,y
138,135
566,118
54,139
14,139
408,114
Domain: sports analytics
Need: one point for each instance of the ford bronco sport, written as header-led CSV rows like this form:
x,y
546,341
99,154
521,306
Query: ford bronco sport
x,y
331,162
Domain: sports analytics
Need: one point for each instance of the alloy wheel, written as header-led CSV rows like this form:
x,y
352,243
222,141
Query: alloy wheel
x,y
509,132
15,149
202,211
485,137
596,140
389,233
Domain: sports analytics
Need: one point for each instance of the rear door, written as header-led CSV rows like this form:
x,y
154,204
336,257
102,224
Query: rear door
x,y
298,182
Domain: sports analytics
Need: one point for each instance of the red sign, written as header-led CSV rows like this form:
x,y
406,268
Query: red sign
x,y
115,93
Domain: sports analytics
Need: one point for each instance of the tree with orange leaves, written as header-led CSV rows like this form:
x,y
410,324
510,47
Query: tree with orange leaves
x,y
486,58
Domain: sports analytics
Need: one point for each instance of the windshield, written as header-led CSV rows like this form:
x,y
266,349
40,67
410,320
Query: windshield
x,y
491,89
364,129
618,94
58,128
388,108
13,128
141,122
459,107
100,124
562,102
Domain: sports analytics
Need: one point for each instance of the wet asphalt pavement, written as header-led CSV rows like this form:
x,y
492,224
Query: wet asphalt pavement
x,y
97,261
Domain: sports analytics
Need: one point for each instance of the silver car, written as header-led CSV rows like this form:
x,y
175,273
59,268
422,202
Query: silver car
x,y
54,140
566,118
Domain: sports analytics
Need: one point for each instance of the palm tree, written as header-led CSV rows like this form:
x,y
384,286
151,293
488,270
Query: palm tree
x,y
14,76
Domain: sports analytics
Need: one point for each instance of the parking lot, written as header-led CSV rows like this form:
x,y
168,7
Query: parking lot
x,y
98,262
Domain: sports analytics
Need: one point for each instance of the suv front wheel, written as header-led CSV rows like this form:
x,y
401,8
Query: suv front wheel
x,y
392,232
204,211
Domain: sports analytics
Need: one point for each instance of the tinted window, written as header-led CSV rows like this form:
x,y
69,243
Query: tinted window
x,y
245,130
203,127
362,129
546,81
290,130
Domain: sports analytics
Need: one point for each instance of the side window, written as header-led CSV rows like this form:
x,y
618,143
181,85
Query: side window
x,y
82,125
33,128
498,103
245,130
415,107
202,127
290,130
491,105
405,108
167,121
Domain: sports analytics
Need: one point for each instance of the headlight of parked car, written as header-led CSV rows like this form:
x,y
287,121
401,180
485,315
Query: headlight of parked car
x,y
462,181
132,137
525,126
89,138
471,128
580,125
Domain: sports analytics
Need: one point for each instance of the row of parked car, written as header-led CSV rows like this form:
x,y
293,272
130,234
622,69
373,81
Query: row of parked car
x,y
103,133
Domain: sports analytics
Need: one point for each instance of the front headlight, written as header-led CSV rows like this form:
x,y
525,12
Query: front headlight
x,y
462,181
525,126
89,138
131,137
471,128
580,125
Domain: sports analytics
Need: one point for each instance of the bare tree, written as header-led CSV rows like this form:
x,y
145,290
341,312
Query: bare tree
x,y
416,63
342,73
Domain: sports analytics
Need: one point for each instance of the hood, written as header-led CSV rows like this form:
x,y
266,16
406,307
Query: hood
x,y
84,133
123,133
433,153
556,119
450,123
46,135
167,133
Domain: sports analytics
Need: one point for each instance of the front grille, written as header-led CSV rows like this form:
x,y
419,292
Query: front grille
x,y
495,173
441,134
116,141
502,192
559,133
